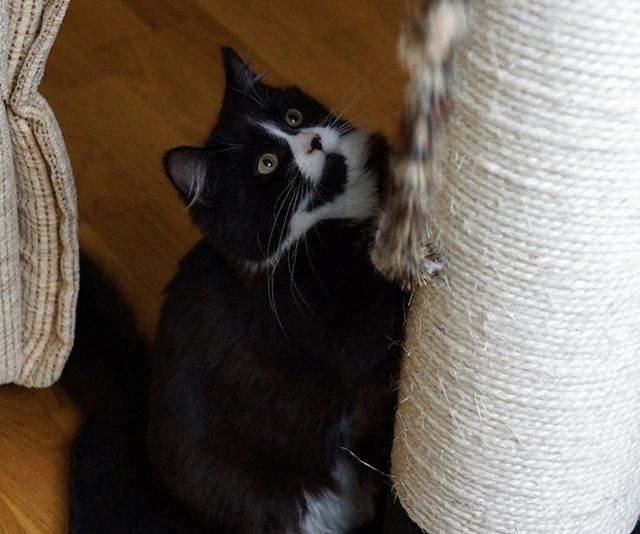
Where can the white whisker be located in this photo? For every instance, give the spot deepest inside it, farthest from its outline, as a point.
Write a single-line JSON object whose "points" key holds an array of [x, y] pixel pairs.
{"points": [[259, 102]]}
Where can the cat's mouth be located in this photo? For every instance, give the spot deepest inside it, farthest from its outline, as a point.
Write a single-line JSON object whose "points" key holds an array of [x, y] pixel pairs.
{"points": [[357, 157]]}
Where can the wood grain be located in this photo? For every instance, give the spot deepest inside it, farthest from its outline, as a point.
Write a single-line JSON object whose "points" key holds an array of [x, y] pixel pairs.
{"points": [[129, 79]]}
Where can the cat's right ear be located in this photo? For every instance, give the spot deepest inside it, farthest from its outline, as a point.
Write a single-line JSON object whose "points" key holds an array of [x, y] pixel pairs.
{"points": [[238, 73], [187, 167]]}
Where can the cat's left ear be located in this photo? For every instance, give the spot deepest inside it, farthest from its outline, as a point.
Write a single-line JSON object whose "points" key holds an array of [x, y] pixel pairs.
{"points": [[238, 73], [187, 169]]}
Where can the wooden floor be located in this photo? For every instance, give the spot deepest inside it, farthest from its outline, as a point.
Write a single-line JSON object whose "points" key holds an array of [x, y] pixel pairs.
{"points": [[129, 79]]}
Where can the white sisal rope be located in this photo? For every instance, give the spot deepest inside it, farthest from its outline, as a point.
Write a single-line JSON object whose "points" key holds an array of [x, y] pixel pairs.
{"points": [[520, 391]]}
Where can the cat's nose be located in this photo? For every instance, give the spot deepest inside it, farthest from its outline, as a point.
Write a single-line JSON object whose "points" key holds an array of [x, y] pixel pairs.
{"points": [[316, 143], [310, 142]]}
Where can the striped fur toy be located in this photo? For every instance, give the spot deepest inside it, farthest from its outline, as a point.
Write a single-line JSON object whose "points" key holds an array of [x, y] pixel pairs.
{"points": [[426, 47]]}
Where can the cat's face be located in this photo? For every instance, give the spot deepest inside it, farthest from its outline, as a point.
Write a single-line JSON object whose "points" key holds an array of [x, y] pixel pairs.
{"points": [[276, 164]]}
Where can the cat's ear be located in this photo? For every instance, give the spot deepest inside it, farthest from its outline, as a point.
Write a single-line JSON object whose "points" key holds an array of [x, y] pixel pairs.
{"points": [[187, 169], [238, 73]]}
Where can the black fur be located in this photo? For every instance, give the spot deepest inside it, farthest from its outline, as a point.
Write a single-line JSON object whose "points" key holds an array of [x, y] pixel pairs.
{"points": [[334, 182], [262, 378], [108, 369]]}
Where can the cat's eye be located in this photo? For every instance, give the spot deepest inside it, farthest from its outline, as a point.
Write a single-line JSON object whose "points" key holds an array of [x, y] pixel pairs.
{"points": [[267, 163], [293, 118]]}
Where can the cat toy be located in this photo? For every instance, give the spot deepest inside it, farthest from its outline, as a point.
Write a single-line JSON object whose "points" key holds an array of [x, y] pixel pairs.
{"points": [[426, 47]]}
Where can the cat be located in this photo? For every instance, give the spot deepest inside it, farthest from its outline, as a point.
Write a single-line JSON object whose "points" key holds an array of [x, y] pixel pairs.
{"points": [[270, 400]]}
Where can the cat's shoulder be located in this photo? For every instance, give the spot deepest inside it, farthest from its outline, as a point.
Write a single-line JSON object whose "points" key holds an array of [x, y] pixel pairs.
{"points": [[201, 274], [201, 265]]}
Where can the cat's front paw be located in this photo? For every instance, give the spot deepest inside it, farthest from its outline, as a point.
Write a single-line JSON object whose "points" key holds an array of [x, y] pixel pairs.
{"points": [[432, 262], [430, 266]]}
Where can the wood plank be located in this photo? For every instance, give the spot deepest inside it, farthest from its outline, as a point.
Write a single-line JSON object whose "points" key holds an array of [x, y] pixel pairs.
{"points": [[36, 428]]}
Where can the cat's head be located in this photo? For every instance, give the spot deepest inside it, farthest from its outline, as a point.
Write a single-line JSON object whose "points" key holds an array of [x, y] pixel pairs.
{"points": [[276, 164]]}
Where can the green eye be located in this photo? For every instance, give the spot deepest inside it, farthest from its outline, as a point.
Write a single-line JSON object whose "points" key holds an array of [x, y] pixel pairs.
{"points": [[293, 118], [267, 163]]}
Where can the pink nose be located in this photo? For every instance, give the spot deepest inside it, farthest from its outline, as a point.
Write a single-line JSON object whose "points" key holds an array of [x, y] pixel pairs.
{"points": [[310, 142], [316, 143]]}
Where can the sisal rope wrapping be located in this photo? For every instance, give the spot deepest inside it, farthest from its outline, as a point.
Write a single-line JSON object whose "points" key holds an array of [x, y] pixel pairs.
{"points": [[519, 398]]}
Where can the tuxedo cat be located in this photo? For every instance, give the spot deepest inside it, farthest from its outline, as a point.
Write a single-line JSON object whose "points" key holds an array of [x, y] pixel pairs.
{"points": [[270, 388]]}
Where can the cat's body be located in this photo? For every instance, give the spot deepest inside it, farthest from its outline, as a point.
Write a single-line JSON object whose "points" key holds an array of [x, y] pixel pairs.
{"points": [[249, 428], [271, 385]]}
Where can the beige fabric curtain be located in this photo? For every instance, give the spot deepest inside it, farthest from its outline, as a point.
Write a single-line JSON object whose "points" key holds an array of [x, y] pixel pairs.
{"points": [[38, 215]]}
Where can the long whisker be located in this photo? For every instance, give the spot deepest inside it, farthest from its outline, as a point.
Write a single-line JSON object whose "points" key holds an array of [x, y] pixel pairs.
{"points": [[272, 300], [360, 81], [261, 98], [339, 114], [288, 190], [358, 97], [293, 281], [271, 277], [229, 149], [261, 104], [292, 206], [313, 269], [220, 141]]}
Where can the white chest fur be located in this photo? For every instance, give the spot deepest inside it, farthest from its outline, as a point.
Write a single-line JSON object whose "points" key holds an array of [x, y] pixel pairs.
{"points": [[339, 511]]}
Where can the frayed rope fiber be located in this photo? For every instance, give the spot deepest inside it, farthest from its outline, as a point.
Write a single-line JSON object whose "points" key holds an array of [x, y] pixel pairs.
{"points": [[519, 400]]}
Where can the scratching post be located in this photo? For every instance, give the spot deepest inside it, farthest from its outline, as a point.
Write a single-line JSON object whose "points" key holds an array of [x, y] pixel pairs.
{"points": [[519, 403]]}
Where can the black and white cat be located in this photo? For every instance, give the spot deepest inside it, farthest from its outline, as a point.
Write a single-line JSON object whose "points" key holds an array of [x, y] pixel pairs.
{"points": [[270, 387], [275, 344]]}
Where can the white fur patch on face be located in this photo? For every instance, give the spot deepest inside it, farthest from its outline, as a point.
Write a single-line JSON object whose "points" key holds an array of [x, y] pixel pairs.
{"points": [[358, 201], [340, 511], [308, 159]]}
